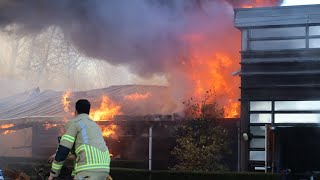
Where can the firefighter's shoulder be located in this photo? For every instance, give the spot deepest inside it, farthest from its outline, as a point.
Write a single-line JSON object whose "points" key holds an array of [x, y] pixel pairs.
{"points": [[72, 122]]}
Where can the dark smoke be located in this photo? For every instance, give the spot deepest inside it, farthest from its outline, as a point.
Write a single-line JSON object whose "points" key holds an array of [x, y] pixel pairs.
{"points": [[146, 35]]}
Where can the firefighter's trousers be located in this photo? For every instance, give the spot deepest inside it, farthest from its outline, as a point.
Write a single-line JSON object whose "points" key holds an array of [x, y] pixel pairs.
{"points": [[84, 175]]}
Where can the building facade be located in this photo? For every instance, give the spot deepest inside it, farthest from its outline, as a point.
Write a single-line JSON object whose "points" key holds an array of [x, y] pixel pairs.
{"points": [[280, 88]]}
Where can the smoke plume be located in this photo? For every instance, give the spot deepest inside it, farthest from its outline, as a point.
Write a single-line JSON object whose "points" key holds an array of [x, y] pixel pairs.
{"points": [[147, 35], [191, 42]]}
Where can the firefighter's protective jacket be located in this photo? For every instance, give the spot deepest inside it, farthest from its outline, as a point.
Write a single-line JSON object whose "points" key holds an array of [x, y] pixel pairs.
{"points": [[90, 148]]}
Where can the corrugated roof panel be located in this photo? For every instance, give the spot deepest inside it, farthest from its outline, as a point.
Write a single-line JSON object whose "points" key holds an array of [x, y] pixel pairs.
{"points": [[49, 103]]}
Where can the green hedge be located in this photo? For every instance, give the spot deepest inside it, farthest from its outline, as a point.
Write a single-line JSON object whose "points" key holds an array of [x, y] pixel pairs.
{"points": [[129, 164], [124, 174], [139, 164], [119, 174]]}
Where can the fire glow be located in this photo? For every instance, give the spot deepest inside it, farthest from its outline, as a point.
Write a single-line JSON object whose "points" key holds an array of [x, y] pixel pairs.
{"points": [[137, 96], [212, 72], [5, 127], [214, 56], [66, 101], [8, 132], [258, 3], [48, 126], [109, 131], [107, 110]]}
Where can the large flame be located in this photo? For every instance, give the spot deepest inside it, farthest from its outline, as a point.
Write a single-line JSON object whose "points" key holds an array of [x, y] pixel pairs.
{"points": [[107, 110], [213, 72], [214, 56], [66, 101], [137, 96]]}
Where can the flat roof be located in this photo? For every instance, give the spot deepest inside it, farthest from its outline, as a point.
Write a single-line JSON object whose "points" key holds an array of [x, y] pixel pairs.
{"points": [[277, 15]]}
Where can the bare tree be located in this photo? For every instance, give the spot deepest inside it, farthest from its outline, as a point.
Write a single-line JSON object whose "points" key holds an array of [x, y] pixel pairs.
{"points": [[49, 58], [45, 59], [18, 42]]}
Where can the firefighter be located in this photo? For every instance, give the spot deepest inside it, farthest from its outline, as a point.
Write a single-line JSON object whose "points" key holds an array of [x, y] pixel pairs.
{"points": [[92, 155]]}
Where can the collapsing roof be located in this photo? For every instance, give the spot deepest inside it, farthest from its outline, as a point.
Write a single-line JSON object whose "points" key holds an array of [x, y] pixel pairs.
{"points": [[36, 103]]}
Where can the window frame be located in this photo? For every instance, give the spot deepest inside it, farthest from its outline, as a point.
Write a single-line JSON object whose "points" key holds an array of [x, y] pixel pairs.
{"points": [[308, 37]]}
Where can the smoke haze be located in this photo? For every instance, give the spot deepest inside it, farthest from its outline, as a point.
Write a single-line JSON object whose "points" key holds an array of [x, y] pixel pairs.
{"points": [[146, 34], [179, 39]]}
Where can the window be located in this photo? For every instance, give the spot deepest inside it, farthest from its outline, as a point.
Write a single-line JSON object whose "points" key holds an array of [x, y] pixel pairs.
{"points": [[244, 40], [260, 106], [297, 105], [314, 30], [258, 130], [278, 44], [297, 118], [314, 43], [278, 32], [260, 118], [257, 155], [257, 143]]}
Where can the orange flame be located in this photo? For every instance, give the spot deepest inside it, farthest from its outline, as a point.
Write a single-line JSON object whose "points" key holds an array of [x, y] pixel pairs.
{"points": [[213, 57], [211, 72], [66, 101], [247, 6], [232, 110], [7, 126], [8, 132], [109, 131], [255, 3], [137, 96], [107, 110]]}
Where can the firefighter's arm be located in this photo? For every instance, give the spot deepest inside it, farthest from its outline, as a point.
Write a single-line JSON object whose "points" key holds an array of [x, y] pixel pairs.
{"points": [[66, 143]]}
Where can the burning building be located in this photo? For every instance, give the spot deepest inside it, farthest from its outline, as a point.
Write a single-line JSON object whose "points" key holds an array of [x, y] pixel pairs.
{"points": [[32, 121], [128, 116], [195, 49], [280, 100]]}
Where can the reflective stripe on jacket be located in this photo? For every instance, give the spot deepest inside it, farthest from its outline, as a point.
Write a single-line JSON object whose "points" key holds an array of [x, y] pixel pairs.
{"points": [[90, 148]]}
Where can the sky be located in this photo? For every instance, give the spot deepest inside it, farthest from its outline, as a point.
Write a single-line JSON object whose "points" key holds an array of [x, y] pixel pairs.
{"points": [[299, 2]]}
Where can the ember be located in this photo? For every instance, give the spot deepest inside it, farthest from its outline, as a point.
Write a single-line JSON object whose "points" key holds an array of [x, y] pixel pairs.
{"points": [[137, 96], [48, 126], [107, 110]]}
